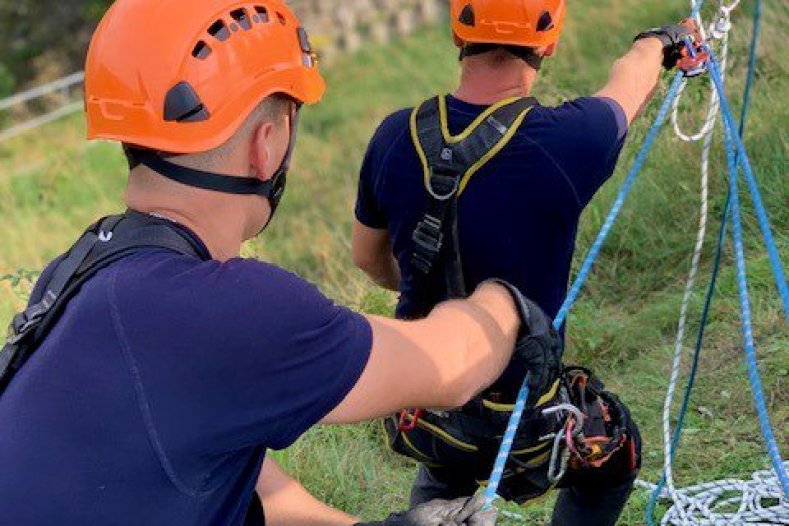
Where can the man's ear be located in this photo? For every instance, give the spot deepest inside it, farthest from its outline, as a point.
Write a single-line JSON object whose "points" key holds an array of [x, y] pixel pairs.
{"points": [[260, 151], [550, 50]]}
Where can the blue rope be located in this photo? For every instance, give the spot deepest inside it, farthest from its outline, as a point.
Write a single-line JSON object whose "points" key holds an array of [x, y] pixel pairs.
{"points": [[594, 253], [744, 161], [572, 297], [506, 444], [742, 285]]}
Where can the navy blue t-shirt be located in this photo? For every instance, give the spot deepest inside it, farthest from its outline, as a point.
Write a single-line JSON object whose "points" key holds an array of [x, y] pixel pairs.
{"points": [[157, 394], [518, 216]]}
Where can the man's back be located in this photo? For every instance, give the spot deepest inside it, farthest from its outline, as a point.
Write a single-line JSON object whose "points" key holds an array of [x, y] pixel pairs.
{"points": [[156, 395], [518, 217]]}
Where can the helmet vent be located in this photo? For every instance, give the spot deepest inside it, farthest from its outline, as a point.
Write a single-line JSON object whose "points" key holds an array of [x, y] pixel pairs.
{"points": [[219, 31], [201, 50], [546, 22], [304, 40], [261, 14], [467, 16], [241, 16], [281, 18]]}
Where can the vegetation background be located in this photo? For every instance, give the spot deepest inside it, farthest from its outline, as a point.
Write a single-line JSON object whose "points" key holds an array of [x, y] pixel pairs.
{"points": [[53, 184]]}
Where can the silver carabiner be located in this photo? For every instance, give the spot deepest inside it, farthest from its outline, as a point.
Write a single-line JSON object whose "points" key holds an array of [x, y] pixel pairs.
{"points": [[557, 467], [568, 408]]}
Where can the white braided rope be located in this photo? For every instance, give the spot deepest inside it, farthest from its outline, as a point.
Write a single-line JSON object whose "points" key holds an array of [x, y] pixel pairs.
{"points": [[729, 502], [719, 30]]}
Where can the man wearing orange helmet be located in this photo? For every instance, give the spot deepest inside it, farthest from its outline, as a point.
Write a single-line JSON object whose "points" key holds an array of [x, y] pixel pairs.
{"points": [[153, 368], [486, 182]]}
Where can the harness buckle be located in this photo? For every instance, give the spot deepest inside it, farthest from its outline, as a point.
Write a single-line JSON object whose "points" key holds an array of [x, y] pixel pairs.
{"points": [[428, 240], [25, 322]]}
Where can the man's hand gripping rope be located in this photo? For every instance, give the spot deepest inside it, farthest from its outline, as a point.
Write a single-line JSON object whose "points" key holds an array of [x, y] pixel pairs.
{"points": [[682, 47]]}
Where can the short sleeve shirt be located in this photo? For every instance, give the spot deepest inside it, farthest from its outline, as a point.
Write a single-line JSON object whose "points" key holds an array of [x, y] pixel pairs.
{"points": [[518, 216], [159, 391]]}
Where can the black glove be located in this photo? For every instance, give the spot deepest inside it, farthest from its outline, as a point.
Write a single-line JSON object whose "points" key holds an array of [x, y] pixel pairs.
{"points": [[674, 39], [460, 512], [538, 349]]}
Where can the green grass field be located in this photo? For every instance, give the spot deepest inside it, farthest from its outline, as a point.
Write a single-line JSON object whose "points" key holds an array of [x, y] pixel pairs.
{"points": [[52, 185]]}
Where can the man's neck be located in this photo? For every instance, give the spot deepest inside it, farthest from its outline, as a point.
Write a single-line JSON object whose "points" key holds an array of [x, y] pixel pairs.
{"points": [[221, 243], [218, 220], [485, 84]]}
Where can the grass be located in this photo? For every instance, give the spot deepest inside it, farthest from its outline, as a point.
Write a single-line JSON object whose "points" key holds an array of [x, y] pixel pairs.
{"points": [[52, 186]]}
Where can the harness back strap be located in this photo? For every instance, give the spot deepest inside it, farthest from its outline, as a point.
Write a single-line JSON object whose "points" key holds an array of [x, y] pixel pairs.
{"points": [[102, 244], [449, 162]]}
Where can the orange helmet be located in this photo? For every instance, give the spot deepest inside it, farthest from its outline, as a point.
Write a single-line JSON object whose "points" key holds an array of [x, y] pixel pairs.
{"points": [[181, 77], [521, 23]]}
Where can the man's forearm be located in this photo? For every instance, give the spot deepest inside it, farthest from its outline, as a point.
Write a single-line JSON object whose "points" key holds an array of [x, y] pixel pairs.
{"points": [[489, 325], [635, 76], [441, 361], [287, 503]]}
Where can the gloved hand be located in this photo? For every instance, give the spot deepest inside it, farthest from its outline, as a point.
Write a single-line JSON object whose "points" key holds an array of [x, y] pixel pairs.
{"points": [[460, 512], [538, 348], [674, 38]]}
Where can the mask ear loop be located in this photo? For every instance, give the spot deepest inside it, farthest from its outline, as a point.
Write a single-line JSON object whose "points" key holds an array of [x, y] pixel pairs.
{"points": [[279, 180]]}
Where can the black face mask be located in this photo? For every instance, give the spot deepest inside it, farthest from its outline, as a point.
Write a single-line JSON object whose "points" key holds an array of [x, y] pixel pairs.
{"points": [[273, 189]]}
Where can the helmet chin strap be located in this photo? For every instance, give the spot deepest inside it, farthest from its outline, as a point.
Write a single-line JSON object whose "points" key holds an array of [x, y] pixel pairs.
{"points": [[272, 189]]}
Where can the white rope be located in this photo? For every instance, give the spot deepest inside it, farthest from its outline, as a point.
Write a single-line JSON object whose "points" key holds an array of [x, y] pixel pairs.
{"points": [[729, 502]]}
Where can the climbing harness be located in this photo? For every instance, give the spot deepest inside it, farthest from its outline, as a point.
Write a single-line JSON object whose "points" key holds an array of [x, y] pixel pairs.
{"points": [[574, 424], [704, 504], [104, 243], [575, 427]]}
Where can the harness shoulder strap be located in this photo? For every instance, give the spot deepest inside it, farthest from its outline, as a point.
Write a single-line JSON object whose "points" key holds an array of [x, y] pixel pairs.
{"points": [[102, 244]]}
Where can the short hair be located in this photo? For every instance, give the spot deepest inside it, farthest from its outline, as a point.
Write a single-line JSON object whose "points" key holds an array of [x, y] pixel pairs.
{"points": [[270, 109], [499, 56]]}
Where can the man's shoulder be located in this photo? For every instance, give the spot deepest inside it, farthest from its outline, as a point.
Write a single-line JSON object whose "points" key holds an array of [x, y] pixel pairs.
{"points": [[584, 115], [184, 282], [393, 127]]}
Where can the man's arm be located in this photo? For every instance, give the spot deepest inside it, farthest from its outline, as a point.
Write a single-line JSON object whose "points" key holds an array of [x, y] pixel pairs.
{"points": [[371, 250], [440, 362], [287, 503], [635, 76]]}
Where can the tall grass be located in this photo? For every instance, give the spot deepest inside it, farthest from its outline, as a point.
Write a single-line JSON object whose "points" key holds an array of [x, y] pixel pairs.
{"points": [[52, 186]]}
